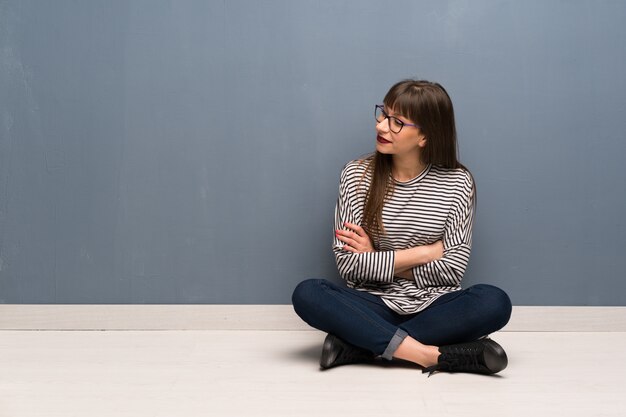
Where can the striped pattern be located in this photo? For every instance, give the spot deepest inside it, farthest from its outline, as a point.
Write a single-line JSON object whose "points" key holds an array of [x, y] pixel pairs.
{"points": [[437, 204]]}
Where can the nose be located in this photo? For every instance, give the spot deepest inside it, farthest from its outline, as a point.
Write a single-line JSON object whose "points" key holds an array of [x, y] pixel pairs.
{"points": [[383, 126]]}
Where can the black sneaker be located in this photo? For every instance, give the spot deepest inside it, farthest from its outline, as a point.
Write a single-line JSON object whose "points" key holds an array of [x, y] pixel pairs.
{"points": [[483, 356], [338, 352]]}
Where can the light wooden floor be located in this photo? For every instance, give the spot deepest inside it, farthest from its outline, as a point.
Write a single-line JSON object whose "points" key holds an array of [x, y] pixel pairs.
{"points": [[275, 373]]}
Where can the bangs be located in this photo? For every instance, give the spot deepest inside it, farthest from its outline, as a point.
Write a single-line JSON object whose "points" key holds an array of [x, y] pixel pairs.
{"points": [[403, 101]]}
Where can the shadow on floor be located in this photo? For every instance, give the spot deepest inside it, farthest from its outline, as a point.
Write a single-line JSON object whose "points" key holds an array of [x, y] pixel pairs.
{"points": [[312, 354]]}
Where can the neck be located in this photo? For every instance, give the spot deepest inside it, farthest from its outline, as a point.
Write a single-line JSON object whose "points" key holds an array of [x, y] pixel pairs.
{"points": [[406, 167]]}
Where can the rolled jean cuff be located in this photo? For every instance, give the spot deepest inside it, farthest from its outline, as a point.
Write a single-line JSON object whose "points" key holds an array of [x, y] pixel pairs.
{"points": [[395, 341]]}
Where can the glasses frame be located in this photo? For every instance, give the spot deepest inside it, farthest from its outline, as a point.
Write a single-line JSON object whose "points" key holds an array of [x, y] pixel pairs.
{"points": [[386, 116]]}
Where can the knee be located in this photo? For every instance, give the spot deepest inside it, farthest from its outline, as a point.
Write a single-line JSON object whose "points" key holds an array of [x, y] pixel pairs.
{"points": [[304, 294], [497, 302]]}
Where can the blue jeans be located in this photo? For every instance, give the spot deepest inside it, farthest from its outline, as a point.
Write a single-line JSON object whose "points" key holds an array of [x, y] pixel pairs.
{"points": [[364, 320]]}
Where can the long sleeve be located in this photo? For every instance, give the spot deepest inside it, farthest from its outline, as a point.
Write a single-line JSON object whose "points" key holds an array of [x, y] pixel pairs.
{"points": [[357, 267], [457, 243]]}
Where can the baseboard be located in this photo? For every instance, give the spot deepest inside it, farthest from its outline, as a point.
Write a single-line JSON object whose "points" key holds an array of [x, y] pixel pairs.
{"points": [[265, 317]]}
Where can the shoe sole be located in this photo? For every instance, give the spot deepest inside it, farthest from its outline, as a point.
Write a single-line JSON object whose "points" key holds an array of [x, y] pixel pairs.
{"points": [[327, 358], [494, 356]]}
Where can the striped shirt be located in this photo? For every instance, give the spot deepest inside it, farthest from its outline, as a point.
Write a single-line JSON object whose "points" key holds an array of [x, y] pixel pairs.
{"points": [[438, 204]]}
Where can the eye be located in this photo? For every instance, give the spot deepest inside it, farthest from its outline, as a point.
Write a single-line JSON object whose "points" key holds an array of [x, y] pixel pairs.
{"points": [[396, 122]]}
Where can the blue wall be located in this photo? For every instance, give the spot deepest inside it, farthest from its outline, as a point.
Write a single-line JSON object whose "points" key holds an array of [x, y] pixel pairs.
{"points": [[189, 151]]}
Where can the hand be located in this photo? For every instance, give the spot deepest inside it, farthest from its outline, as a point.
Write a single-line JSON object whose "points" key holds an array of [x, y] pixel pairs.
{"points": [[408, 274], [355, 239]]}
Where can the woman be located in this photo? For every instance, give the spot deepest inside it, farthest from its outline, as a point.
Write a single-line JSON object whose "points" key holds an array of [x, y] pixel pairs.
{"points": [[403, 229]]}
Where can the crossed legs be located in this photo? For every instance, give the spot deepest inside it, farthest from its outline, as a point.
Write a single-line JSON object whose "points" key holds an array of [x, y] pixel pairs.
{"points": [[363, 320]]}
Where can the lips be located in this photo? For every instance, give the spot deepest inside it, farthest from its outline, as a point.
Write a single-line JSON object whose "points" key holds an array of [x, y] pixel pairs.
{"points": [[379, 139]]}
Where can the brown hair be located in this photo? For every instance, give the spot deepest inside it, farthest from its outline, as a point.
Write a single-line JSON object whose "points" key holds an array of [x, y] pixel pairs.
{"points": [[429, 105]]}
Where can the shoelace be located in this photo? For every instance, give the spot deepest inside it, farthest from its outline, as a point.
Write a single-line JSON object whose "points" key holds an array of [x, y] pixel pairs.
{"points": [[352, 354], [457, 359]]}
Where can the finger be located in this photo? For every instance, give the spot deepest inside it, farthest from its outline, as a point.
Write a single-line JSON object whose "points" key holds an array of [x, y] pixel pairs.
{"points": [[349, 248], [348, 234], [348, 240], [357, 229]]}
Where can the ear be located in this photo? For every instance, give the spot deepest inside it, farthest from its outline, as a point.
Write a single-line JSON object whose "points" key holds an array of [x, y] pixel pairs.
{"points": [[421, 141]]}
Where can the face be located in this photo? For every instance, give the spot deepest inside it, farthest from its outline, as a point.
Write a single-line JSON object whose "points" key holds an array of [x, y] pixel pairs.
{"points": [[409, 140]]}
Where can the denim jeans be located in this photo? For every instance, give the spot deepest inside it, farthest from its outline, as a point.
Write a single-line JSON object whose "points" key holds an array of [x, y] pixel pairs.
{"points": [[364, 320]]}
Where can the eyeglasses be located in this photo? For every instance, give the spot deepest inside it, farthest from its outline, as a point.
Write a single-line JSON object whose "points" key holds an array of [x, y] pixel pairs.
{"points": [[395, 124]]}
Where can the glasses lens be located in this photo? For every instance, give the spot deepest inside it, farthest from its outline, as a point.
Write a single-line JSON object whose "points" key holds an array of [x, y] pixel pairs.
{"points": [[378, 113], [395, 125]]}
